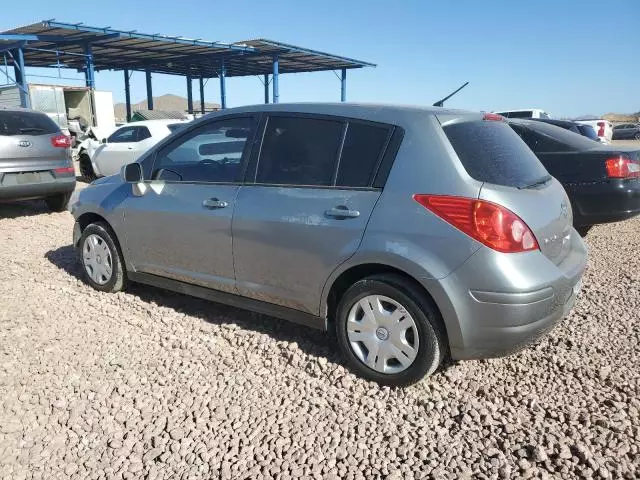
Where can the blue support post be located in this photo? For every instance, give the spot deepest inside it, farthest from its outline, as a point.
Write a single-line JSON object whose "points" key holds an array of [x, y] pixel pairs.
{"points": [[149, 91], [21, 78], [223, 92], [266, 88], [343, 85], [276, 67], [202, 95], [189, 95], [89, 73], [127, 94]]}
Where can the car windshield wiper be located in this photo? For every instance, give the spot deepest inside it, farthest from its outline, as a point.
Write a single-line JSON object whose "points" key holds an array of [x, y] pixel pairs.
{"points": [[537, 183]]}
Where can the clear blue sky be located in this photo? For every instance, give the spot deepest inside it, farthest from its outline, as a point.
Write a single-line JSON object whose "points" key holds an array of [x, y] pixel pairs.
{"points": [[567, 57]]}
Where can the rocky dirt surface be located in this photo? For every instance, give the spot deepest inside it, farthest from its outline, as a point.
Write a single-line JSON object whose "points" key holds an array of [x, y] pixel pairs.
{"points": [[150, 384]]}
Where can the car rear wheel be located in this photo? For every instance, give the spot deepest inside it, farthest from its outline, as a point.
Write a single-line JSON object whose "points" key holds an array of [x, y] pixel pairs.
{"points": [[101, 258], [389, 331], [58, 203], [86, 169]]}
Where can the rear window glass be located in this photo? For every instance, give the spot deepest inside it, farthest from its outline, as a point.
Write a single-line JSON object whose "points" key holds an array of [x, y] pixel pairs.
{"points": [[26, 123], [588, 132], [520, 114], [558, 139], [491, 152]]}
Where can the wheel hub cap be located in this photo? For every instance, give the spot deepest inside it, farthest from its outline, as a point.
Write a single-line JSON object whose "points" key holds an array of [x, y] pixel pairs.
{"points": [[96, 258], [382, 334]]}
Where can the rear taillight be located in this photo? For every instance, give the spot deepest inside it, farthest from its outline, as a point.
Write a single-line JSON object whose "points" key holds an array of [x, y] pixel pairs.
{"points": [[493, 117], [601, 126], [489, 223], [622, 167], [64, 170], [61, 141]]}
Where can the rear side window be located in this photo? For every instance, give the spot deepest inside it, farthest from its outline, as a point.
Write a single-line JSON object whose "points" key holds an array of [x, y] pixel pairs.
{"points": [[299, 151], [491, 152], [26, 123], [361, 153]]}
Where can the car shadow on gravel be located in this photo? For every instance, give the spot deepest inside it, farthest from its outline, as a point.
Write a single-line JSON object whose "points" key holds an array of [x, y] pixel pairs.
{"points": [[313, 342], [23, 209]]}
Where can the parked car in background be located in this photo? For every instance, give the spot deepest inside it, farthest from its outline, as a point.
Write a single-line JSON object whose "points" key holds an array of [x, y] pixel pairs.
{"points": [[603, 129], [35, 159], [524, 113], [626, 131], [580, 129], [106, 157], [602, 181], [400, 228]]}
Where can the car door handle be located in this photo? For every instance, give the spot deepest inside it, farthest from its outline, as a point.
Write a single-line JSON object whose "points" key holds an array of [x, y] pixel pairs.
{"points": [[214, 203], [341, 212]]}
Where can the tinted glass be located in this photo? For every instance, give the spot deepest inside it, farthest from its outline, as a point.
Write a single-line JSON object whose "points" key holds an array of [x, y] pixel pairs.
{"points": [[123, 135], [26, 123], [555, 139], [587, 131], [491, 152], [143, 133], [362, 150], [210, 153], [299, 151]]}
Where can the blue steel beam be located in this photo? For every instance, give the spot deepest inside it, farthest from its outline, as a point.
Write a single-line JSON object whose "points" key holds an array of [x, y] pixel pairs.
{"points": [[276, 67], [202, 95], [189, 94], [343, 85], [293, 48], [223, 90], [89, 73], [21, 78], [21, 37], [149, 91], [127, 94], [266, 88]]}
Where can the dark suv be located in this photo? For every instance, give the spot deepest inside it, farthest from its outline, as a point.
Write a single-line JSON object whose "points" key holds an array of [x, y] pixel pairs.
{"points": [[35, 159]]}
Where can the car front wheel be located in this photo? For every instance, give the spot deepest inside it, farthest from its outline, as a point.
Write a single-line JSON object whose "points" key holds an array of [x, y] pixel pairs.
{"points": [[389, 331], [101, 260]]}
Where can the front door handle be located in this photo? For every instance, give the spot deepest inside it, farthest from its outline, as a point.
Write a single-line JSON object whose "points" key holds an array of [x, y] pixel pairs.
{"points": [[213, 203], [341, 212]]}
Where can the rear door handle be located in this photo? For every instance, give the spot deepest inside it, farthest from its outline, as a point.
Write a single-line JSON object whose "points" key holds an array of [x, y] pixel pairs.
{"points": [[213, 203], [341, 212]]}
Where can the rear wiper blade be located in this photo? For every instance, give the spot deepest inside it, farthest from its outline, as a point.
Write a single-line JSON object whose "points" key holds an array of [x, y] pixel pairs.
{"points": [[537, 183]]}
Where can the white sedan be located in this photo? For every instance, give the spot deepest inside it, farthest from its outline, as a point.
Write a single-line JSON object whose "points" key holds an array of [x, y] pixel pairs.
{"points": [[106, 157]]}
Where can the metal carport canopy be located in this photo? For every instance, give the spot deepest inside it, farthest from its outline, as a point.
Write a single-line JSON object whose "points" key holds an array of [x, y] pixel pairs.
{"points": [[50, 43]]}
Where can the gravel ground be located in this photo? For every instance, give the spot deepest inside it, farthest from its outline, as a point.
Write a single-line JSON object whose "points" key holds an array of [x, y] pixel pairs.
{"points": [[150, 384]]}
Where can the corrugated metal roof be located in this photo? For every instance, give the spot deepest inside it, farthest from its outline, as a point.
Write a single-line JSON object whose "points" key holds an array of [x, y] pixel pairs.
{"points": [[118, 50], [139, 115]]}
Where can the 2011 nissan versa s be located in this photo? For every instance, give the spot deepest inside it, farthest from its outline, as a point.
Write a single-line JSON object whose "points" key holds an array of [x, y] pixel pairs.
{"points": [[414, 233]]}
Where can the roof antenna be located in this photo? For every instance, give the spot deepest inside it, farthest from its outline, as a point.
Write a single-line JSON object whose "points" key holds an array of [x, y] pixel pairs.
{"points": [[440, 103]]}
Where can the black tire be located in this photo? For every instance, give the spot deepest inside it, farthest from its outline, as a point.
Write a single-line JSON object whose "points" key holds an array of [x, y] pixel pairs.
{"points": [[118, 279], [432, 343], [583, 230], [59, 202], [86, 169]]}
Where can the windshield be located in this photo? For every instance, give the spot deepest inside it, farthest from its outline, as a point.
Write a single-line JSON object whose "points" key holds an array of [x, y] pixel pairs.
{"points": [[26, 123], [491, 152]]}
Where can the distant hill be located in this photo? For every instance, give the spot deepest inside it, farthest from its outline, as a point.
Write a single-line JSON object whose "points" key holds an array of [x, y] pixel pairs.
{"points": [[168, 102]]}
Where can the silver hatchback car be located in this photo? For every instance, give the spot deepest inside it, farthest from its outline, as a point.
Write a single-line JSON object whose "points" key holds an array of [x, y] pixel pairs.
{"points": [[412, 233], [35, 159]]}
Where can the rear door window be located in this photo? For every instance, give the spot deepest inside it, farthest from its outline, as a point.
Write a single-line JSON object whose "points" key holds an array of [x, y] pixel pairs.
{"points": [[492, 152], [26, 123], [362, 151], [299, 151]]}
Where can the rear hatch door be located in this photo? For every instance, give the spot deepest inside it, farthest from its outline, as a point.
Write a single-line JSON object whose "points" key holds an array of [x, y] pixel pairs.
{"points": [[513, 177]]}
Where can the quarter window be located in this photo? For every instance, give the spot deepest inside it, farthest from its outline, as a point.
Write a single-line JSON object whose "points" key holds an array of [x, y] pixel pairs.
{"points": [[143, 134], [123, 135], [210, 153], [363, 147], [299, 151]]}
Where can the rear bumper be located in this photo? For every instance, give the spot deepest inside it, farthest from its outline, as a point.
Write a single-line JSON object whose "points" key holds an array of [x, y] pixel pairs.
{"points": [[605, 202], [51, 186], [496, 304]]}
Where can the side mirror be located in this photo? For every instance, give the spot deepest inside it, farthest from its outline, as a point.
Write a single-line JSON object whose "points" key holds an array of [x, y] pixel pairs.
{"points": [[131, 173], [104, 140]]}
